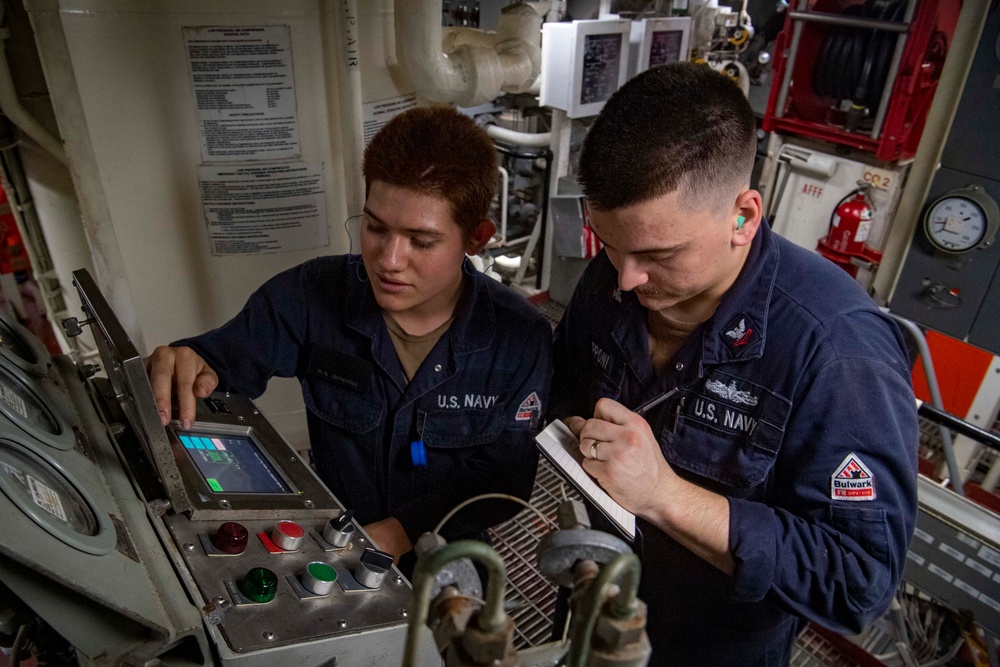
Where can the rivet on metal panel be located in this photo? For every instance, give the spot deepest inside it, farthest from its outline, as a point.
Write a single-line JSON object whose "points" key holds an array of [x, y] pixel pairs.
{"points": [[404, 613], [341, 623], [310, 504], [268, 635], [397, 579], [189, 546]]}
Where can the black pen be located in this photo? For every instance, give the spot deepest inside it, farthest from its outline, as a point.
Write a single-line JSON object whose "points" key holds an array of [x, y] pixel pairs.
{"points": [[653, 402]]}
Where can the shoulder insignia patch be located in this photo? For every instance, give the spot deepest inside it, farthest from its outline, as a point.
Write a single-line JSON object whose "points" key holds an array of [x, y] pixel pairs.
{"points": [[852, 480], [530, 410]]}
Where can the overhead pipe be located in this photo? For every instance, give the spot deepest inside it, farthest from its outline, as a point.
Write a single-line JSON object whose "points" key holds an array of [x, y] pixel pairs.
{"points": [[528, 139], [474, 66], [11, 107]]}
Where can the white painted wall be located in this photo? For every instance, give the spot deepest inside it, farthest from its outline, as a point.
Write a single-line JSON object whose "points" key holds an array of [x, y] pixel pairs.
{"points": [[120, 83]]}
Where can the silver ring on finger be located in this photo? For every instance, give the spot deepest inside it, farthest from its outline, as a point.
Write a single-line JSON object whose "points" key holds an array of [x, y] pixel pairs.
{"points": [[593, 451]]}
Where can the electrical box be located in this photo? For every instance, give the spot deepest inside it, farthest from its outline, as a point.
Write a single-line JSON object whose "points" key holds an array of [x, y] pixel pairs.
{"points": [[658, 41], [950, 280], [583, 63]]}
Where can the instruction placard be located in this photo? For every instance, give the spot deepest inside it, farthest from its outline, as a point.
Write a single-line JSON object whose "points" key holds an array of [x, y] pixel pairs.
{"points": [[255, 209], [378, 114], [244, 92]]}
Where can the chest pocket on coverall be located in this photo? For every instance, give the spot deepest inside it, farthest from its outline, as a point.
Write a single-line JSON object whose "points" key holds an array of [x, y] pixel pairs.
{"points": [[344, 408], [728, 430], [450, 429]]}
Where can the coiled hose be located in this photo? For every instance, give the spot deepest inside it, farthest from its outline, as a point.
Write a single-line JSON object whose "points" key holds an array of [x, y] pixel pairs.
{"points": [[853, 63]]}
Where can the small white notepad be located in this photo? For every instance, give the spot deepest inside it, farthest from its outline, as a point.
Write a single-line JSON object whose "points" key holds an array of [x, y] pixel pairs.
{"points": [[561, 447]]}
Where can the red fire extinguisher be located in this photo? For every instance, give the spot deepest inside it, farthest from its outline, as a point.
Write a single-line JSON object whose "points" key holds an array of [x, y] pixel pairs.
{"points": [[850, 226]]}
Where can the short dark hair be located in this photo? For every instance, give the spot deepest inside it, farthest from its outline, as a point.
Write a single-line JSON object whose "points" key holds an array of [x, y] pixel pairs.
{"points": [[680, 127], [440, 152]]}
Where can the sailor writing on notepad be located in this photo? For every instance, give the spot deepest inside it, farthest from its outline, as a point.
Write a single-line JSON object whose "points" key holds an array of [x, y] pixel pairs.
{"points": [[778, 484]]}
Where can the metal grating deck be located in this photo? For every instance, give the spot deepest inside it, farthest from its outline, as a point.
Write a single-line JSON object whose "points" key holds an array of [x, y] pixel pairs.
{"points": [[533, 595]]}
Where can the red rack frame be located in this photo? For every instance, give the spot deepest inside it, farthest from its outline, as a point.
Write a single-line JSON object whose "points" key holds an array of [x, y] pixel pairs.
{"points": [[809, 115]]}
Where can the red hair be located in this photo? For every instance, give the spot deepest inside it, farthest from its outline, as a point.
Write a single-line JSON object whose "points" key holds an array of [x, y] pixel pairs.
{"points": [[437, 151]]}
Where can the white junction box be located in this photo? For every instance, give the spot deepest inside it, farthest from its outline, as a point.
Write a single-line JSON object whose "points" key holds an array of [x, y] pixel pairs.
{"points": [[659, 41], [583, 63]]}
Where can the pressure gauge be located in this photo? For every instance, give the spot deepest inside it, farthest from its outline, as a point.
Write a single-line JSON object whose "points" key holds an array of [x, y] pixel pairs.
{"points": [[51, 497], [962, 220]]}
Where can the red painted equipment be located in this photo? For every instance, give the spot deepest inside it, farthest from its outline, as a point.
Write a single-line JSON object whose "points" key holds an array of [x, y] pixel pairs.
{"points": [[849, 228], [864, 99]]}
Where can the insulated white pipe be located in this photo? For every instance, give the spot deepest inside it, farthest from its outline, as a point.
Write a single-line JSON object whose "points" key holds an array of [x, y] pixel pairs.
{"points": [[347, 66], [530, 139], [18, 115], [480, 67], [504, 193]]}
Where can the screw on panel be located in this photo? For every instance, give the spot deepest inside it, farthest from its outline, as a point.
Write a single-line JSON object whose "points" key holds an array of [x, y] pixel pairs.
{"points": [[219, 599], [225, 504], [189, 546], [240, 418], [310, 504], [397, 579], [268, 635], [341, 623], [404, 613]]}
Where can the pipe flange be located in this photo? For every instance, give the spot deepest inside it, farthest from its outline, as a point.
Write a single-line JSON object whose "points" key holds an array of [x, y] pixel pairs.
{"points": [[559, 551]]}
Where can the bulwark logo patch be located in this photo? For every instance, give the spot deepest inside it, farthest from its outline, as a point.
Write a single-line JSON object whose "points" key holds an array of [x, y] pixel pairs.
{"points": [[530, 410], [852, 480]]}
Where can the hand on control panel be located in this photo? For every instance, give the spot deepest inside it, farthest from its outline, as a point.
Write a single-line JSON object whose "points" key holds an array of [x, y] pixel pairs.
{"points": [[389, 535], [182, 371]]}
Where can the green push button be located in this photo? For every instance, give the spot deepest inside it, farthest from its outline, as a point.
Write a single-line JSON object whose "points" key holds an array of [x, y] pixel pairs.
{"points": [[259, 585], [319, 578]]}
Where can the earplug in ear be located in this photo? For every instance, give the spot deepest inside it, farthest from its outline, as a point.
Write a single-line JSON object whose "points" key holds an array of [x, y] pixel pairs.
{"points": [[739, 221]]}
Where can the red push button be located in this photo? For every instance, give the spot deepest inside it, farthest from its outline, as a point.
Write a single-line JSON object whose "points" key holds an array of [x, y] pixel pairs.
{"points": [[287, 535], [231, 538]]}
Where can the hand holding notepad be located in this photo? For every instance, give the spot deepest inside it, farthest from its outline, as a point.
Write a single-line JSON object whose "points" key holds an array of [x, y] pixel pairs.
{"points": [[562, 448]]}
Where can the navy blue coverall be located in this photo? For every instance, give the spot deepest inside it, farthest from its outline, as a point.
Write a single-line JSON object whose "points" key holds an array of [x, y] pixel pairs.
{"points": [[795, 403], [475, 402]]}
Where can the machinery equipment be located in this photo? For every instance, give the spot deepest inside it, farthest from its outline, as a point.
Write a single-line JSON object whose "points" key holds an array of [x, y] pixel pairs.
{"points": [[608, 628], [143, 545]]}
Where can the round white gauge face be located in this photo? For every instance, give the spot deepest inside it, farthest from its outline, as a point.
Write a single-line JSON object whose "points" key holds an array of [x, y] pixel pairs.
{"points": [[956, 224]]}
